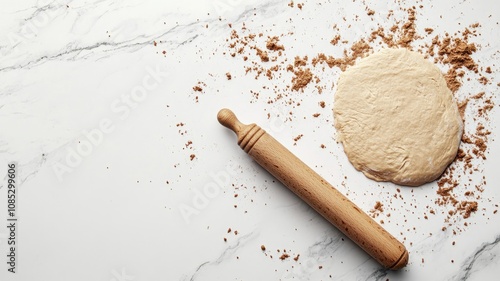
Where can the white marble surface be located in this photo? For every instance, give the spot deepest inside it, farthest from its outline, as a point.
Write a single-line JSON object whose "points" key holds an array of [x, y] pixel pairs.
{"points": [[112, 209]]}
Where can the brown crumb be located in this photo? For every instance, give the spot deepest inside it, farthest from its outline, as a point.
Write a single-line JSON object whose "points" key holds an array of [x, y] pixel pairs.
{"points": [[468, 207], [297, 138], [335, 40], [300, 61], [377, 209], [262, 54], [408, 31], [228, 75], [197, 88], [272, 44], [192, 156], [284, 256], [358, 50], [301, 79], [451, 78], [262, 247]]}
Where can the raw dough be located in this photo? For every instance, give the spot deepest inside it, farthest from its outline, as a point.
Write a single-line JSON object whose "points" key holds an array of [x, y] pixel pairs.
{"points": [[396, 118]]}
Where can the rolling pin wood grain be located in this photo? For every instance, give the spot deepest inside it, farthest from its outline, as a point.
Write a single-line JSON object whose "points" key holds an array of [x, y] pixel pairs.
{"points": [[317, 192]]}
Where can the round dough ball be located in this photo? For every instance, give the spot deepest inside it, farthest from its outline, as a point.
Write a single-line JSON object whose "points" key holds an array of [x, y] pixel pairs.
{"points": [[396, 118]]}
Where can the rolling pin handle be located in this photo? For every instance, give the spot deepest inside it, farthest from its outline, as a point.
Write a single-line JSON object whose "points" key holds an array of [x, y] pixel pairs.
{"points": [[229, 120]]}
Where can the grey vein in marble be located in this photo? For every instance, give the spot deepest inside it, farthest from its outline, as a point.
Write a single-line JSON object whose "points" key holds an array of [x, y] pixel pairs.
{"points": [[179, 29], [121, 45], [227, 252], [377, 275], [471, 262]]}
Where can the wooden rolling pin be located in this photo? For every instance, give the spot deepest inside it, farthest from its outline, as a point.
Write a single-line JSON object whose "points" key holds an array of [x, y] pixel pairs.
{"points": [[317, 192]]}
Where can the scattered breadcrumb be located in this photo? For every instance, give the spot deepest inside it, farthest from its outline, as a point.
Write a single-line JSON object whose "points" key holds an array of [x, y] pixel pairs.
{"points": [[301, 79], [272, 44], [297, 138], [284, 256]]}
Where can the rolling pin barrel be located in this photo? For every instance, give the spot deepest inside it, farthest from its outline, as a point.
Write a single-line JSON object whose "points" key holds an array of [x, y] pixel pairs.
{"points": [[317, 192]]}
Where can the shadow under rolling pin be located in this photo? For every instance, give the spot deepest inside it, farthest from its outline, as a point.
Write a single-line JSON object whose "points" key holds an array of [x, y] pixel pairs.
{"points": [[317, 192]]}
